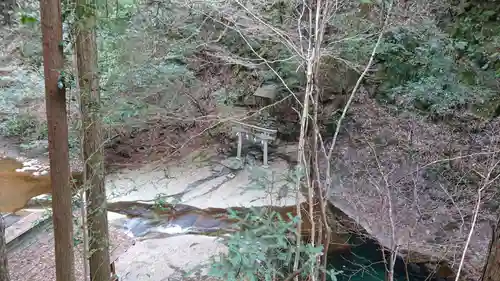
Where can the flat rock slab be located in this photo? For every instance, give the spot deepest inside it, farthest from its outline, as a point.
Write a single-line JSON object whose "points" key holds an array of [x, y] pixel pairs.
{"points": [[198, 185], [168, 258], [21, 223]]}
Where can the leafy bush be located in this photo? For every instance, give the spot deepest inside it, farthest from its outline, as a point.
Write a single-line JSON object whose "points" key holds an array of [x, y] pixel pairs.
{"points": [[265, 246], [24, 126], [418, 69], [263, 249], [476, 25]]}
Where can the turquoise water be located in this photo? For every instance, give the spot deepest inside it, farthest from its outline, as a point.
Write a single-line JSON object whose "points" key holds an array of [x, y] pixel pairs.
{"points": [[366, 263]]}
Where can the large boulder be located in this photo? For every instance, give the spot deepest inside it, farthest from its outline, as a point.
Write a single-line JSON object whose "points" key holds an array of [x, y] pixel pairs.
{"points": [[392, 177]]}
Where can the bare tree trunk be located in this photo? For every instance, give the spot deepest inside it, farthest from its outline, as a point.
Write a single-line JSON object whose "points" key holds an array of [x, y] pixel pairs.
{"points": [[57, 119], [4, 267], [92, 141], [492, 268]]}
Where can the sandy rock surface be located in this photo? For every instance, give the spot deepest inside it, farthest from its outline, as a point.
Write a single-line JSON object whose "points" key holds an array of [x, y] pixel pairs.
{"points": [[202, 185]]}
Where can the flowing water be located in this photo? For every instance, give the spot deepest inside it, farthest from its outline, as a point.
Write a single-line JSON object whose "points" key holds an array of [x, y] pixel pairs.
{"points": [[365, 262]]}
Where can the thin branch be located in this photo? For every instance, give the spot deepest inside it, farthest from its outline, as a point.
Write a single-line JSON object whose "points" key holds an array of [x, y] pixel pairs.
{"points": [[486, 183], [361, 77]]}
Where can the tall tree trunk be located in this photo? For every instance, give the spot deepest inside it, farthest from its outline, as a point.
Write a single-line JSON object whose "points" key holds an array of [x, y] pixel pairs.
{"points": [[492, 269], [57, 120], [90, 105], [4, 267]]}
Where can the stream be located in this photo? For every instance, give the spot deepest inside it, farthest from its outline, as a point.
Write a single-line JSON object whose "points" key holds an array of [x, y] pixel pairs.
{"points": [[364, 262]]}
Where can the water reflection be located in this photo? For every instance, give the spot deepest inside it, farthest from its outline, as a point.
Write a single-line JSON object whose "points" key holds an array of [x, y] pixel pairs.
{"points": [[366, 262]]}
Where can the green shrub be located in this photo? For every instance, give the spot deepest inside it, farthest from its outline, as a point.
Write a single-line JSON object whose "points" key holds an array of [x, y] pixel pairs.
{"points": [[24, 126], [263, 249], [418, 69], [476, 25]]}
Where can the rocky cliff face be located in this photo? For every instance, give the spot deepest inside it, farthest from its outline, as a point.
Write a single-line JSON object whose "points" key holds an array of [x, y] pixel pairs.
{"points": [[412, 183]]}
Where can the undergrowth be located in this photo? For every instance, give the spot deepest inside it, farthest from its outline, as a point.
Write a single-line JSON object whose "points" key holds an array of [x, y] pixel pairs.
{"points": [[263, 250], [24, 126], [419, 70]]}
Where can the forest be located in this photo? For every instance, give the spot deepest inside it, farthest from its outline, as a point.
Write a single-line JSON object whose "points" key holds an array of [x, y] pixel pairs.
{"points": [[386, 112]]}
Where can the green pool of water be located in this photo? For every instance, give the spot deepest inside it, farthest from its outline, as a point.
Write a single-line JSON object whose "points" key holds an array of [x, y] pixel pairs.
{"points": [[366, 263]]}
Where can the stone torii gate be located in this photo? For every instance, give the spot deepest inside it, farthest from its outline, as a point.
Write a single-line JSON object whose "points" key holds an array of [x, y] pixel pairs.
{"points": [[254, 133]]}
